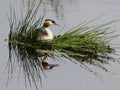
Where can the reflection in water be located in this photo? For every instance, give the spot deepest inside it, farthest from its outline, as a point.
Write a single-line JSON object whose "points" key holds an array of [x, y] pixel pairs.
{"points": [[32, 63], [57, 6], [48, 66], [27, 59]]}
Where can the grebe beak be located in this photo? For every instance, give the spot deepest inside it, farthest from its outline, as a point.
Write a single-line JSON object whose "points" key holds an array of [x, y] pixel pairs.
{"points": [[56, 24]]}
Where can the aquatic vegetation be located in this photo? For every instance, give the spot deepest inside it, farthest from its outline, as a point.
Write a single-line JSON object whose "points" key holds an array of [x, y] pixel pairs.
{"points": [[83, 43]]}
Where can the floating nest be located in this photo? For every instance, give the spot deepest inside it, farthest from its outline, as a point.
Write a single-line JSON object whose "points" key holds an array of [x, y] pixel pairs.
{"points": [[82, 43]]}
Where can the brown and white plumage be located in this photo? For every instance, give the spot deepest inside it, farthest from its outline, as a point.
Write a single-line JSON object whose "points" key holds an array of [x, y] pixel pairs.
{"points": [[46, 33]]}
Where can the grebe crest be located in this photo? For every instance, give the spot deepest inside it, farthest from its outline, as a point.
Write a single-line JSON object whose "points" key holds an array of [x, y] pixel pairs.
{"points": [[49, 22]]}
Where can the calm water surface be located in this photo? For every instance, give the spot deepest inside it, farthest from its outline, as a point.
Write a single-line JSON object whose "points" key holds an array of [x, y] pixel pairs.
{"points": [[68, 76]]}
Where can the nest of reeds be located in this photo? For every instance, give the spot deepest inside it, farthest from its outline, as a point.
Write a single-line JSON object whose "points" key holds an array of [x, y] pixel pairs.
{"points": [[83, 43]]}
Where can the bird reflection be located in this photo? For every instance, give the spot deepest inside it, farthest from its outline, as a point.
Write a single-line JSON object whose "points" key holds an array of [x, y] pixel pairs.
{"points": [[47, 66], [31, 62], [45, 59]]}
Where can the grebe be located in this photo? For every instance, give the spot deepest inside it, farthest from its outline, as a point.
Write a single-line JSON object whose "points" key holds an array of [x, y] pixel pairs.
{"points": [[46, 33]]}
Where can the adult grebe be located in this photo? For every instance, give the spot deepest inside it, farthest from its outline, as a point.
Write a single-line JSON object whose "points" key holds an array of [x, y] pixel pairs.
{"points": [[46, 33]]}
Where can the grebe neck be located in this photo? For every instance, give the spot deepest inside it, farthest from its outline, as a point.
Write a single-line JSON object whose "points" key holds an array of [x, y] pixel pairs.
{"points": [[49, 33]]}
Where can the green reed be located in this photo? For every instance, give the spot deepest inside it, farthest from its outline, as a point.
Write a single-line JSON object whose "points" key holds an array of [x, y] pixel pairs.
{"points": [[82, 43]]}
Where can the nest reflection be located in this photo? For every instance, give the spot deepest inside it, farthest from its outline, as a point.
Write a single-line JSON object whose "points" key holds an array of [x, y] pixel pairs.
{"points": [[31, 62]]}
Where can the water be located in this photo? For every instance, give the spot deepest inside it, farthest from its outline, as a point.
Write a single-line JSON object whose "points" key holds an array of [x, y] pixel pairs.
{"points": [[68, 76]]}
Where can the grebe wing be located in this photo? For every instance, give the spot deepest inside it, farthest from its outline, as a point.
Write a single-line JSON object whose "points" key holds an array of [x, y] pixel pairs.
{"points": [[41, 31]]}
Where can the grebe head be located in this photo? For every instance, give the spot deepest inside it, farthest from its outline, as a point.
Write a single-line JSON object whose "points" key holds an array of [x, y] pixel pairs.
{"points": [[49, 22]]}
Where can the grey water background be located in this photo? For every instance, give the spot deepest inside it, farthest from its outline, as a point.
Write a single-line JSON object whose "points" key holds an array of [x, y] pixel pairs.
{"points": [[68, 76]]}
